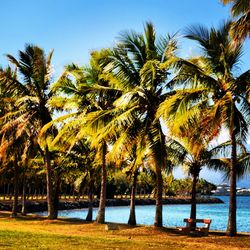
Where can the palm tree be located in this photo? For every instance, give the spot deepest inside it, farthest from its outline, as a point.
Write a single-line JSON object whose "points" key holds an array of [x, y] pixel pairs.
{"points": [[14, 139], [129, 154], [213, 92], [240, 11], [15, 150], [135, 68], [88, 93], [31, 92], [80, 162], [222, 162], [193, 157], [10, 159]]}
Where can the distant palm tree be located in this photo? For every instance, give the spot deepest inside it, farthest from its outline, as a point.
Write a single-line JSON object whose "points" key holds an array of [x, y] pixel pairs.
{"points": [[223, 151], [31, 92], [128, 153], [78, 161], [240, 11], [15, 140], [11, 150], [193, 155], [212, 91]]}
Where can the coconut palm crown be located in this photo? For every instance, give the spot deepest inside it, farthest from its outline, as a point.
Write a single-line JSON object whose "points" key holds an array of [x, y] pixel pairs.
{"points": [[240, 11]]}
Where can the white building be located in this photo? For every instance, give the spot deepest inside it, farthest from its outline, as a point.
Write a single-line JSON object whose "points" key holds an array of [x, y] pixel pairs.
{"points": [[224, 189]]}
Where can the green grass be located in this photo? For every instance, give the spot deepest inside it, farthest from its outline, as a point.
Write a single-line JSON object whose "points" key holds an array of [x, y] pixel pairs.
{"points": [[28, 240], [64, 234]]}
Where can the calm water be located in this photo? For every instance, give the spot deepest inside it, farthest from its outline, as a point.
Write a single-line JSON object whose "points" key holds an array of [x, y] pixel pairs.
{"points": [[173, 215]]}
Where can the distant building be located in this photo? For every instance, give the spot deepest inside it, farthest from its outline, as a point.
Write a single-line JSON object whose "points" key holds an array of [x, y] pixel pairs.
{"points": [[224, 189], [243, 191]]}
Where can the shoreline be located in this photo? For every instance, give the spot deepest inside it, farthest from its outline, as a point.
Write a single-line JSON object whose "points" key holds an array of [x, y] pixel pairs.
{"points": [[120, 225], [41, 206]]}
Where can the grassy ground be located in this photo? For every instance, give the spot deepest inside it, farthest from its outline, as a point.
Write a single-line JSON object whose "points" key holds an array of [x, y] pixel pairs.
{"points": [[39, 233]]}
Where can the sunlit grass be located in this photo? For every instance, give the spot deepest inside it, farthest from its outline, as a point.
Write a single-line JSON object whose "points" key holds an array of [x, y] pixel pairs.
{"points": [[39, 233]]}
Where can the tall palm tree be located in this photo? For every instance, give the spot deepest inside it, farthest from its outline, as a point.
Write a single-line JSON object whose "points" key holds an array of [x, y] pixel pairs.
{"points": [[240, 11], [88, 93], [31, 92], [213, 91], [136, 69]]}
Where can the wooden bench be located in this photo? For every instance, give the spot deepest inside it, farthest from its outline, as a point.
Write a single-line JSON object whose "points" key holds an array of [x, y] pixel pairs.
{"points": [[111, 226], [201, 230]]}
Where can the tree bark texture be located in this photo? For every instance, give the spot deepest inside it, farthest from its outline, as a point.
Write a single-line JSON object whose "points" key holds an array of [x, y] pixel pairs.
{"points": [[56, 195], [160, 157], [101, 211], [50, 201], [15, 201], [159, 188], [193, 200], [23, 212], [89, 216], [132, 217], [231, 226]]}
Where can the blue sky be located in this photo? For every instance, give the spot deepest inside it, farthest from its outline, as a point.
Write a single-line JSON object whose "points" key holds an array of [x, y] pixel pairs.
{"points": [[75, 27]]}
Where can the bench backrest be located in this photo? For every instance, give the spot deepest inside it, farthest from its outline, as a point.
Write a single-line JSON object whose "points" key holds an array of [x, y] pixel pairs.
{"points": [[205, 221]]}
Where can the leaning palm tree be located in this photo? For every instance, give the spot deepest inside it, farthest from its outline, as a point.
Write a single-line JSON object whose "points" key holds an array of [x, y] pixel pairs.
{"points": [[31, 92], [240, 11], [135, 68], [212, 90]]}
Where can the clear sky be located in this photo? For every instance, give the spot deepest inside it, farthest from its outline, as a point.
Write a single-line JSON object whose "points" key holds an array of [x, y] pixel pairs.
{"points": [[75, 27]]}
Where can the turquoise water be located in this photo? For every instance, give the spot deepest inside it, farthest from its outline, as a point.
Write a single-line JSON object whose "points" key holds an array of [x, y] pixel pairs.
{"points": [[173, 215]]}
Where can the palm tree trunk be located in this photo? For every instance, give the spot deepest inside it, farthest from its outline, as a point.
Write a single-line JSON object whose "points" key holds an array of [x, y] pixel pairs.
{"points": [[158, 157], [159, 188], [4, 191], [15, 201], [24, 195], [132, 217], [91, 187], [193, 200], [56, 195], [51, 212], [8, 190], [101, 211], [231, 226]]}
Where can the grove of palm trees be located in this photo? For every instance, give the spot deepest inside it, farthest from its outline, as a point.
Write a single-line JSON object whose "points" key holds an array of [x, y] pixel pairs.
{"points": [[136, 112]]}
